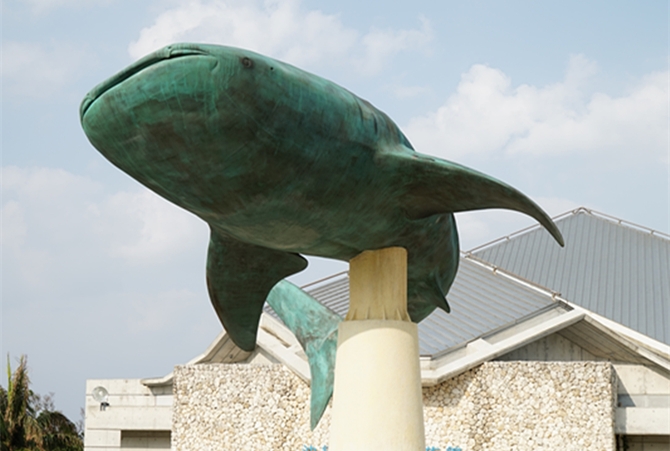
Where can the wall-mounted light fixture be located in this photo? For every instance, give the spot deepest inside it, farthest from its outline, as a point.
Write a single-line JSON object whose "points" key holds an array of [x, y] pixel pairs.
{"points": [[101, 394]]}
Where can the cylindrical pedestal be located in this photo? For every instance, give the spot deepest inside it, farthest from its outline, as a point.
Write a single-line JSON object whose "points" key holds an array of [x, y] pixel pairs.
{"points": [[377, 401]]}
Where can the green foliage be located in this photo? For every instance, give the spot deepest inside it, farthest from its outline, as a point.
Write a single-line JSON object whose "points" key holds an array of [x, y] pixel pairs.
{"points": [[58, 432], [30, 422]]}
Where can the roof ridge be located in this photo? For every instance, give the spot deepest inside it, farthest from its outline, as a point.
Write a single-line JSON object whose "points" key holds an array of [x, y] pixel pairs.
{"points": [[629, 224], [573, 212], [497, 270]]}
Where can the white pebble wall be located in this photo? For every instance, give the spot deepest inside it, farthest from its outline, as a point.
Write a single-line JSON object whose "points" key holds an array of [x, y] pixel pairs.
{"points": [[496, 406]]}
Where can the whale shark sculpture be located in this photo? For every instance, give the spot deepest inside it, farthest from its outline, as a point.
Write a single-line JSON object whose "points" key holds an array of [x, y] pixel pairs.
{"points": [[280, 162]]}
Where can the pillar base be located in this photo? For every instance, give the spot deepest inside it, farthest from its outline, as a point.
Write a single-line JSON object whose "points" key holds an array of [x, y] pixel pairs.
{"points": [[377, 400]]}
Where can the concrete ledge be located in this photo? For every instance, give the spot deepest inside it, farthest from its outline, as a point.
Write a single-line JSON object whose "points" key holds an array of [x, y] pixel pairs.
{"points": [[130, 418], [102, 438], [642, 421]]}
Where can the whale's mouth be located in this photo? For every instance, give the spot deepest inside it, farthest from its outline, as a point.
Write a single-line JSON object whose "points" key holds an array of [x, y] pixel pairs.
{"points": [[169, 52]]}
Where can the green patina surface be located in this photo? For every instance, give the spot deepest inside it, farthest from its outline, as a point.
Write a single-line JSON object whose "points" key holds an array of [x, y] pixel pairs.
{"points": [[280, 162], [315, 326]]}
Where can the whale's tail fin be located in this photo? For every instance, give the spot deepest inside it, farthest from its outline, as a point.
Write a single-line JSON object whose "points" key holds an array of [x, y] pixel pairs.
{"points": [[315, 327], [434, 186]]}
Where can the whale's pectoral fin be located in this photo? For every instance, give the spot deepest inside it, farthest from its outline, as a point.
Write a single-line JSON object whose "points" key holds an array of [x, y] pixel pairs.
{"points": [[435, 186], [315, 327], [239, 278]]}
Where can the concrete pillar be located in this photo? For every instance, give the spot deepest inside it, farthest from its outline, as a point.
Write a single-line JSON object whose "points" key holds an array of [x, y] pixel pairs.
{"points": [[377, 401]]}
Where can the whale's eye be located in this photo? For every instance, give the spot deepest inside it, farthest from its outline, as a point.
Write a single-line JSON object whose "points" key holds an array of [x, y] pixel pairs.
{"points": [[246, 62]]}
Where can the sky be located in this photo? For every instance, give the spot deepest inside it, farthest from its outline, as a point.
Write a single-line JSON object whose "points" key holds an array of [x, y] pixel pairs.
{"points": [[567, 101]]}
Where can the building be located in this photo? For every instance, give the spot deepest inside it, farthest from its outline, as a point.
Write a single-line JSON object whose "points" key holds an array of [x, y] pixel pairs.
{"points": [[583, 364]]}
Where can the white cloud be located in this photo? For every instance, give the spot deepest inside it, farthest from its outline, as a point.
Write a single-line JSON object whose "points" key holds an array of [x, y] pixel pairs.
{"points": [[37, 70], [39, 205], [12, 224], [282, 29], [160, 311], [145, 227], [50, 216], [488, 115], [580, 70], [45, 183], [381, 45]]}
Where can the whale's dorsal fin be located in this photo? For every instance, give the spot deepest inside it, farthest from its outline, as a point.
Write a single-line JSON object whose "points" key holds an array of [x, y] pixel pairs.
{"points": [[239, 278], [315, 327], [433, 186]]}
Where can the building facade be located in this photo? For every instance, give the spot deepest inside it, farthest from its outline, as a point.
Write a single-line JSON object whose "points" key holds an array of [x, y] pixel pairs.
{"points": [[515, 366]]}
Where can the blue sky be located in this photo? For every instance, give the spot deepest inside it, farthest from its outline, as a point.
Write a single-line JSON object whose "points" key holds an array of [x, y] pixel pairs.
{"points": [[567, 101]]}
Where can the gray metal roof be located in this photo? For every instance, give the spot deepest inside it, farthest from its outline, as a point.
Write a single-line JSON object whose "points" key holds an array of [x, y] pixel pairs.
{"points": [[482, 301], [616, 269]]}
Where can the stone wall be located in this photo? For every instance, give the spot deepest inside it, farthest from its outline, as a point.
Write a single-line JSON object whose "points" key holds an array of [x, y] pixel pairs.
{"points": [[524, 406], [250, 407], [496, 406]]}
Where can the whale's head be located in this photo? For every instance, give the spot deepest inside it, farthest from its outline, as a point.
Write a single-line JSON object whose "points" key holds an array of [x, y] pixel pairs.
{"points": [[182, 96]]}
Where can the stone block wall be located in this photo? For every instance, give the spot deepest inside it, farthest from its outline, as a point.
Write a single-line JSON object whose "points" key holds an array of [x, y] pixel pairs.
{"points": [[496, 406]]}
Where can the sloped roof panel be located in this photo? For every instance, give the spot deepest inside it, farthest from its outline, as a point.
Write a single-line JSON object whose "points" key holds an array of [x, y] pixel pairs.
{"points": [[481, 301], [613, 268]]}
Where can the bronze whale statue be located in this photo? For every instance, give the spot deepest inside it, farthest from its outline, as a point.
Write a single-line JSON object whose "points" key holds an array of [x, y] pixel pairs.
{"points": [[279, 163]]}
